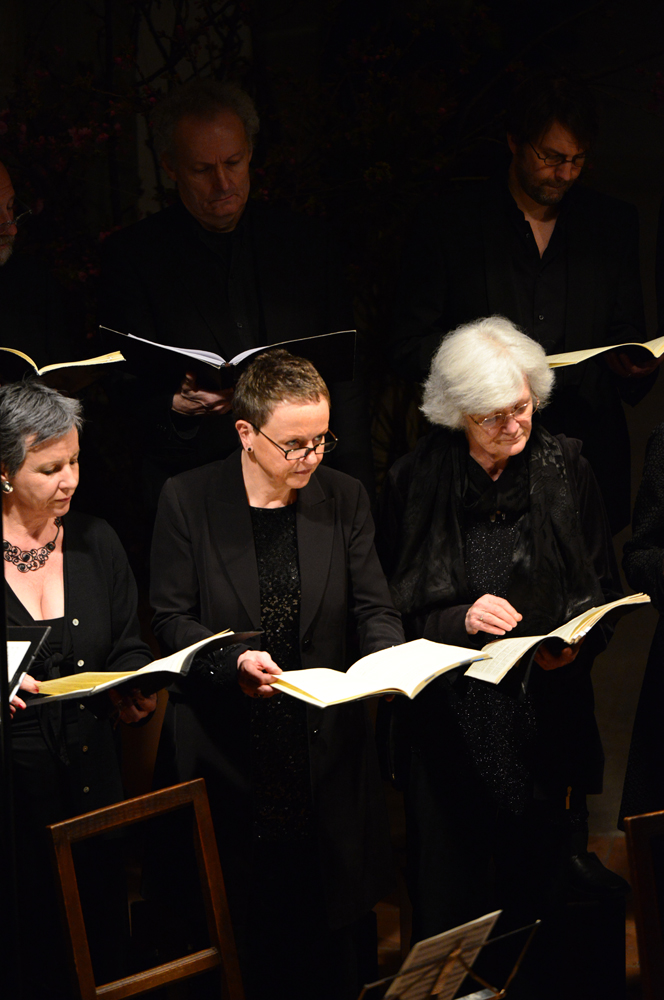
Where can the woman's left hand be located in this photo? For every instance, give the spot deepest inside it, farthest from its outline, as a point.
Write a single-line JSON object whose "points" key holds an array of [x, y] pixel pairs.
{"points": [[549, 661], [132, 705]]}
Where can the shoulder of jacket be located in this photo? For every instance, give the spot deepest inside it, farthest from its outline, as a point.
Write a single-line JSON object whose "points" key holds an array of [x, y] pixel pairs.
{"points": [[146, 230]]}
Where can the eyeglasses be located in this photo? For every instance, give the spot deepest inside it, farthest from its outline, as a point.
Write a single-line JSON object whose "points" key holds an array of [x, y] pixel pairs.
{"points": [[329, 443], [24, 212], [557, 159], [497, 420]]}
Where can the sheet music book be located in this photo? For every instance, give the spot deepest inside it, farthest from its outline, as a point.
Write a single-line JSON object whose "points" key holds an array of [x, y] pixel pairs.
{"points": [[503, 654], [23, 644], [431, 967], [654, 347], [332, 354]]}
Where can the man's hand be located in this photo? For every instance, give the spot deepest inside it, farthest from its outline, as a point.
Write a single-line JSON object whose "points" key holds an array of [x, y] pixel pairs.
{"points": [[132, 705], [550, 661], [491, 614], [195, 402], [254, 668], [621, 364]]}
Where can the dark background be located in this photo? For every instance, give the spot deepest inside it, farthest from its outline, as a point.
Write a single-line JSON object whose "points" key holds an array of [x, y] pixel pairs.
{"points": [[368, 107]]}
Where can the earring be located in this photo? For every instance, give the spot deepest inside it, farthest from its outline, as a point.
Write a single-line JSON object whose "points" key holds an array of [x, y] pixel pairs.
{"points": [[7, 487], [248, 449]]}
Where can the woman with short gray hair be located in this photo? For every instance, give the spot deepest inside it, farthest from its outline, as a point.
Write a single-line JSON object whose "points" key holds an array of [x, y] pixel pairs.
{"points": [[66, 571], [493, 527]]}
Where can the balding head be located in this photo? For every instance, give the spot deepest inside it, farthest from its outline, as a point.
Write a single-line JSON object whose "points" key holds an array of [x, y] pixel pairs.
{"points": [[7, 232]]}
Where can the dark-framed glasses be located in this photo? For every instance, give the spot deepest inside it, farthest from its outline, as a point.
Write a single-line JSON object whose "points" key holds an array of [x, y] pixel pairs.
{"points": [[497, 420], [23, 212], [328, 443], [558, 159]]}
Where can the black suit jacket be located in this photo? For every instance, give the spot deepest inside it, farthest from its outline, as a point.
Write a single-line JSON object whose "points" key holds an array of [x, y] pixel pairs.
{"points": [[204, 578], [457, 268], [160, 281]]}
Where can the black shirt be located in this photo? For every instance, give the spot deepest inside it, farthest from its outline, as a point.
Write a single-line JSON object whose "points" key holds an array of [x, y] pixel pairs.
{"points": [[541, 282]]}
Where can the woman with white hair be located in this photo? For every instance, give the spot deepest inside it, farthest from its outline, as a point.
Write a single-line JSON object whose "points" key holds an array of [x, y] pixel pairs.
{"points": [[493, 527]]}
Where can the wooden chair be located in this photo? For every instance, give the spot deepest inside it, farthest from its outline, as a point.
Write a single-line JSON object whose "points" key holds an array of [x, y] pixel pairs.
{"points": [[222, 950], [640, 832]]}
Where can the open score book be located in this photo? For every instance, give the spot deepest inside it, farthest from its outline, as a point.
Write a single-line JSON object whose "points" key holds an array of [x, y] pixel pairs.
{"points": [[150, 678], [404, 669], [503, 654], [654, 347]]}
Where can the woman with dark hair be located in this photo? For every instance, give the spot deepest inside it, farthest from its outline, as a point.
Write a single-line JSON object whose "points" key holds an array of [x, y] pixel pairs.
{"points": [[67, 571], [272, 539], [493, 527]]}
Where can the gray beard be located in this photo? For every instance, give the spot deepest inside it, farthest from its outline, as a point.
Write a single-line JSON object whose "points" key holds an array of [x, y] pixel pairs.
{"points": [[6, 250], [542, 195]]}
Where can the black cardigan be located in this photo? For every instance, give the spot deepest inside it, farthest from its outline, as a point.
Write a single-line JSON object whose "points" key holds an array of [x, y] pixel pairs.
{"points": [[101, 633]]}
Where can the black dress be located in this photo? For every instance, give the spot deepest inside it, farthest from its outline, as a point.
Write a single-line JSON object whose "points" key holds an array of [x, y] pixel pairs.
{"points": [[490, 766], [48, 747]]}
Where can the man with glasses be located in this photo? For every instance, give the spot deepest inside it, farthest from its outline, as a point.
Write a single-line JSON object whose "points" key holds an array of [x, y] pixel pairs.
{"points": [[556, 258], [219, 271], [32, 309]]}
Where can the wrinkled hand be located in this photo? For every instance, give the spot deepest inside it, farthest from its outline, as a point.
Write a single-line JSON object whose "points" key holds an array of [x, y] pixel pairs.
{"points": [[193, 401], [132, 705], [621, 364], [491, 614], [550, 661], [27, 684], [254, 668]]}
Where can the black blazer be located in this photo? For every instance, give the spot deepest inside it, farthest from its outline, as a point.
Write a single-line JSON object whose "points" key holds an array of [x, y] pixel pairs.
{"points": [[160, 281], [205, 578], [456, 269]]}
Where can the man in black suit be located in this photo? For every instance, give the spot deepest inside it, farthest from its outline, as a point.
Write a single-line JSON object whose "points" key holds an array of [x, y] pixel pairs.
{"points": [[32, 308], [558, 259], [217, 271]]}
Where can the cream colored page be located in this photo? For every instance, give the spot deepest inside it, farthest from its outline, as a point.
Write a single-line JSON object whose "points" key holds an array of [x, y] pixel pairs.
{"points": [[103, 359], [503, 653], [83, 682], [575, 629], [16, 650], [398, 668], [321, 684], [656, 347], [442, 977], [92, 681], [408, 666]]}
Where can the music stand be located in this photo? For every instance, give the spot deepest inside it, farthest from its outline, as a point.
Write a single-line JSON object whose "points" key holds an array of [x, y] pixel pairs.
{"points": [[437, 966]]}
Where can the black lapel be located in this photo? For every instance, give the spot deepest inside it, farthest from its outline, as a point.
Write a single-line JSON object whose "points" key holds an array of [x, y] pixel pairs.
{"points": [[232, 535], [315, 516]]}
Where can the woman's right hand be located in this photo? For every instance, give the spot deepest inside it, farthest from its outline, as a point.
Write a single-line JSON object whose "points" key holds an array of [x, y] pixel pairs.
{"points": [[491, 614], [252, 667], [27, 684]]}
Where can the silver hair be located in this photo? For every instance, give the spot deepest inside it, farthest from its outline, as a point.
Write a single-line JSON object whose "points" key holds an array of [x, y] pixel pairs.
{"points": [[29, 409], [203, 98], [480, 367]]}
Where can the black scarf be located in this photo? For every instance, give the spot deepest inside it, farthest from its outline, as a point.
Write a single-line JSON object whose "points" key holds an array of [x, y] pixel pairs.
{"points": [[553, 578]]}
